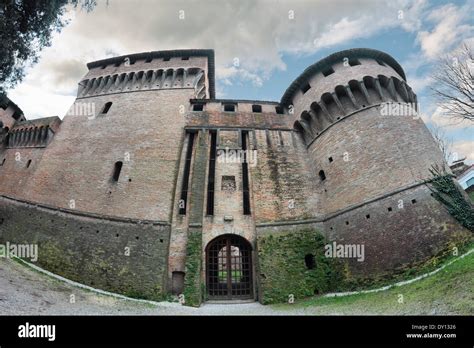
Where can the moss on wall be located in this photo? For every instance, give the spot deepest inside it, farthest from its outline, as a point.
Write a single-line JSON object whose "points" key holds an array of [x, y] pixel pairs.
{"points": [[408, 271], [192, 283], [448, 193], [283, 271], [92, 251]]}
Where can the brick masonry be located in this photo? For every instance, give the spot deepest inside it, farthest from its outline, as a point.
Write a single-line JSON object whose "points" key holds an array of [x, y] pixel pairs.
{"points": [[61, 193]]}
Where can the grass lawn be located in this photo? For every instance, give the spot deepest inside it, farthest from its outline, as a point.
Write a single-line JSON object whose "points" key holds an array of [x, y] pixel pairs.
{"points": [[223, 275], [450, 291]]}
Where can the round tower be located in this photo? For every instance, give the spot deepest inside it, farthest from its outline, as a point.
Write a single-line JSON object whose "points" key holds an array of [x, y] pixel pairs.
{"points": [[371, 154]]}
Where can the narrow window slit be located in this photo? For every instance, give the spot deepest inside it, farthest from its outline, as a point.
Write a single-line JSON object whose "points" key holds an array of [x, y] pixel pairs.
{"points": [[187, 168], [117, 170], [245, 175], [106, 108], [322, 175], [212, 172]]}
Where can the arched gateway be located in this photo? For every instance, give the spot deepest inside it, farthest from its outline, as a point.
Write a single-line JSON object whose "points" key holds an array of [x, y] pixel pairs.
{"points": [[229, 268]]}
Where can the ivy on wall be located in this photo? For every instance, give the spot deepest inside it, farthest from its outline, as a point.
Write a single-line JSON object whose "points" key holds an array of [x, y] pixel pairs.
{"points": [[193, 287], [292, 266], [449, 194]]}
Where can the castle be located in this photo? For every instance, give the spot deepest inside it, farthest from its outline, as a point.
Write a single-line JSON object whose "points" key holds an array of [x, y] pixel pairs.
{"points": [[151, 186]]}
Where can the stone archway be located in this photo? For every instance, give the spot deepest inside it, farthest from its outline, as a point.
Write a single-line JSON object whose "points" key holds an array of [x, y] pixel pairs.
{"points": [[229, 268]]}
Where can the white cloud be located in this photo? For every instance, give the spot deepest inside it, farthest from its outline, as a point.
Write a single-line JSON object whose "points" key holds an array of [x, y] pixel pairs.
{"points": [[40, 102], [258, 33], [464, 148], [362, 21], [419, 83], [342, 31], [410, 14], [448, 31], [228, 74]]}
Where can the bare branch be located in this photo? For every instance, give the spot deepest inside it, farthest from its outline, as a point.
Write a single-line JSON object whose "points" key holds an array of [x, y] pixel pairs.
{"points": [[455, 84], [443, 143]]}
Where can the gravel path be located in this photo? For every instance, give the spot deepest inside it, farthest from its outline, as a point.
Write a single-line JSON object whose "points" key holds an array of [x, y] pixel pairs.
{"points": [[24, 291]]}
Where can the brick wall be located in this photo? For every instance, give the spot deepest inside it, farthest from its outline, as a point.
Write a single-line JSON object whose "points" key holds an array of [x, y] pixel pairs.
{"points": [[371, 155], [282, 181], [142, 129], [397, 231], [370, 162]]}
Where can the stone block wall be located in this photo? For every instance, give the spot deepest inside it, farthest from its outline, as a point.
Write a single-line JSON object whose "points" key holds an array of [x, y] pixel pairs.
{"points": [[126, 257]]}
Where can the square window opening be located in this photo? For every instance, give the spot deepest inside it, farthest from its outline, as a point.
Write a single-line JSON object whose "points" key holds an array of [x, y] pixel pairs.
{"points": [[229, 107], [198, 107], [256, 108]]}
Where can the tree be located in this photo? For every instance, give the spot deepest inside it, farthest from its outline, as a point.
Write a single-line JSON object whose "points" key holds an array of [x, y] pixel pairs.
{"points": [[25, 29], [443, 143], [454, 86]]}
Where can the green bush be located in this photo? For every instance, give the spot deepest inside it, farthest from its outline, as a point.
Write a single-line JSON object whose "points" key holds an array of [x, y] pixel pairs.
{"points": [[447, 192]]}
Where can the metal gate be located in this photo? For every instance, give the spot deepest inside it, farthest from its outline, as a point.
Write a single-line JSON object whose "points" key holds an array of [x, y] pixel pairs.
{"points": [[229, 268]]}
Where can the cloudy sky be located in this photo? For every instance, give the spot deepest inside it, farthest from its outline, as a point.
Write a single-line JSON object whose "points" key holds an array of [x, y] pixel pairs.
{"points": [[274, 41]]}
